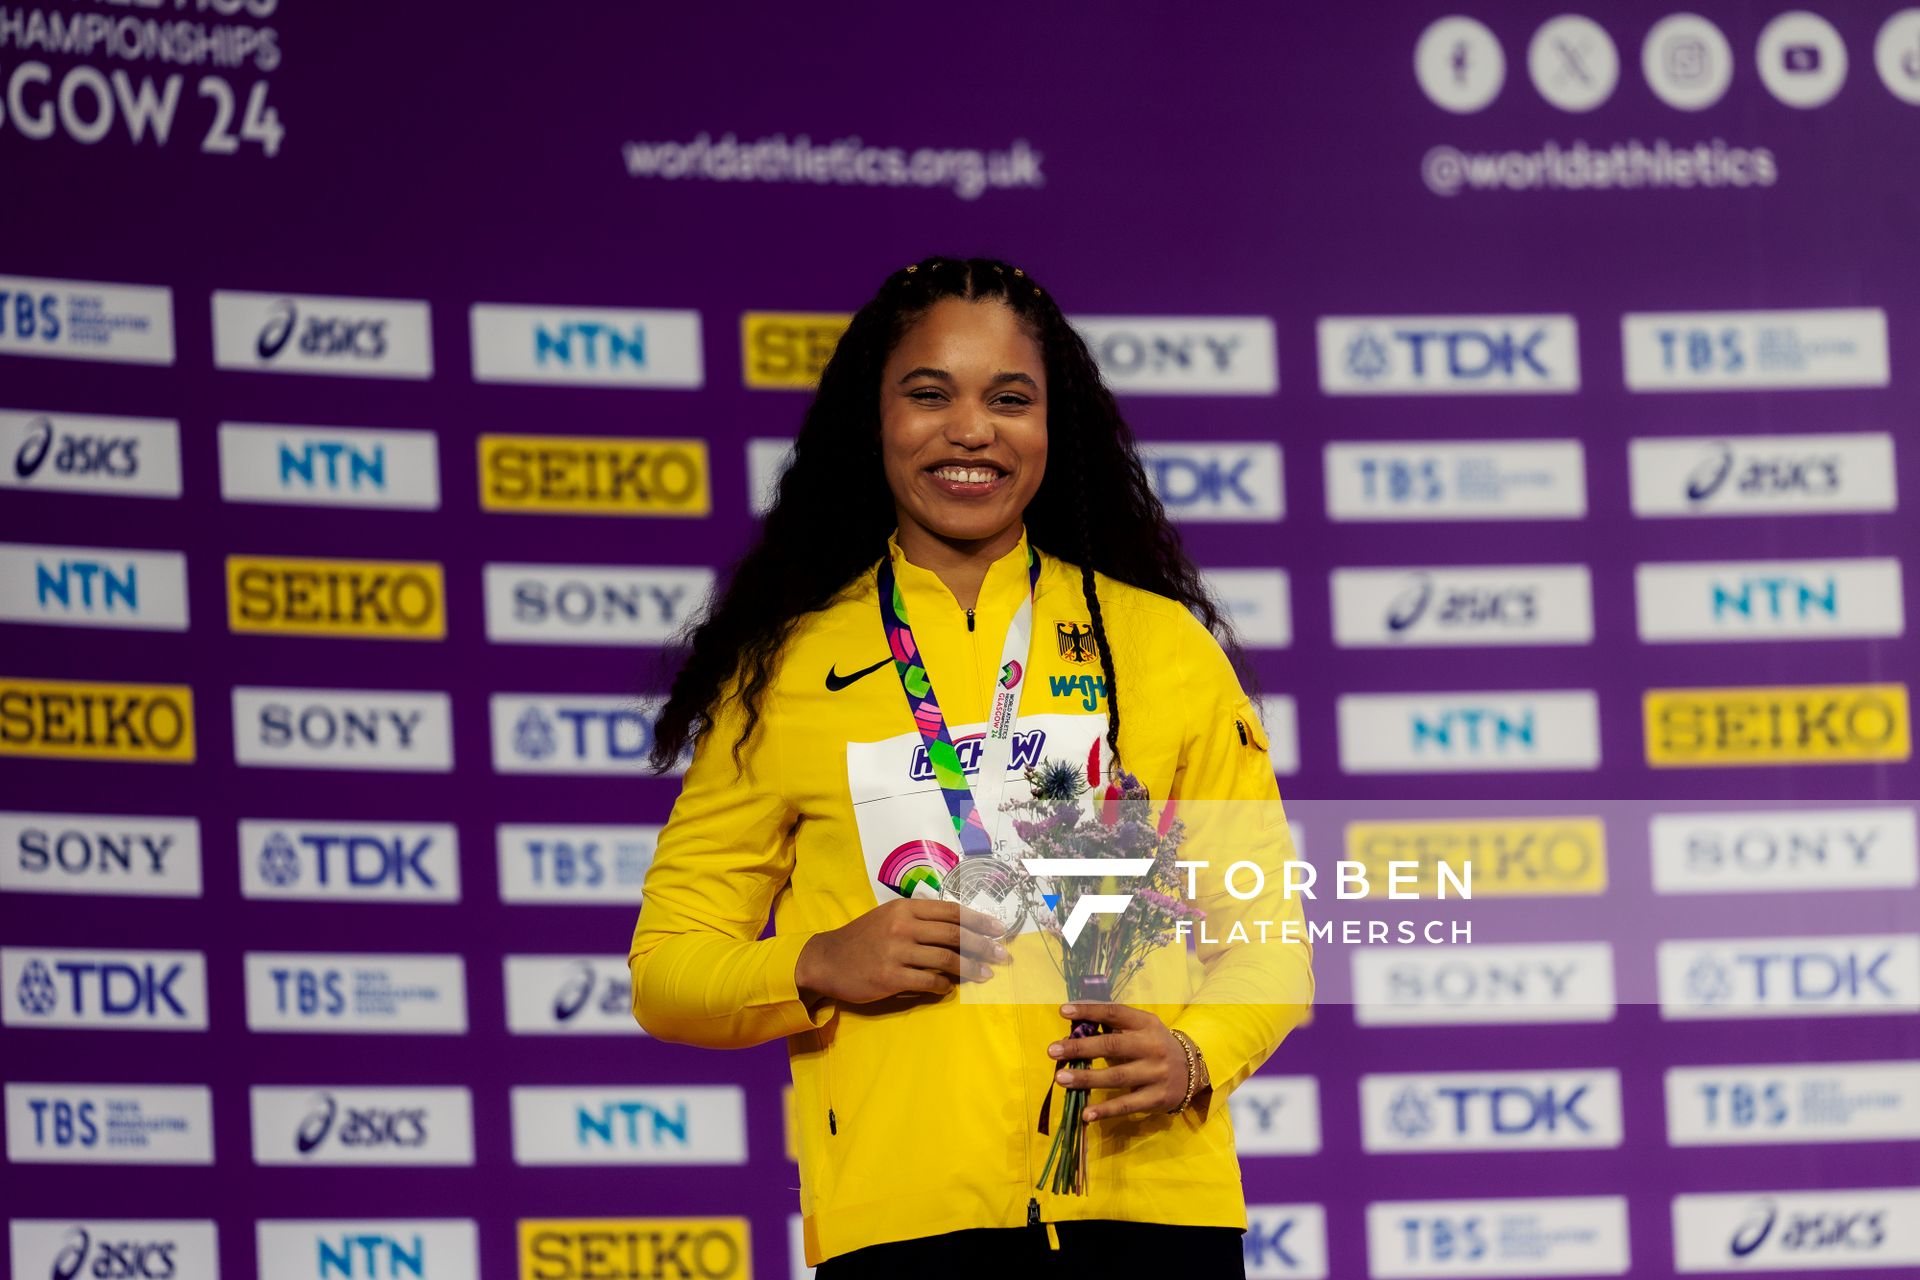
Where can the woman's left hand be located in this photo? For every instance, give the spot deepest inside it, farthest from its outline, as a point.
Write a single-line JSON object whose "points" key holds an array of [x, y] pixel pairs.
{"points": [[1144, 1057]]}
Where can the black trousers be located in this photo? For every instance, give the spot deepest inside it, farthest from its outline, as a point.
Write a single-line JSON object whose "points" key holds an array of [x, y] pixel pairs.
{"points": [[1092, 1248]]}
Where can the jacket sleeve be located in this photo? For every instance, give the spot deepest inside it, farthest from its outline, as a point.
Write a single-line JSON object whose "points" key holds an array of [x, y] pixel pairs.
{"points": [[702, 974], [1255, 990]]}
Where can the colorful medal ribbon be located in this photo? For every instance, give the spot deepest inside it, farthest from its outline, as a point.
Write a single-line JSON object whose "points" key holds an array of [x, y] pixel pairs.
{"points": [[996, 750]]}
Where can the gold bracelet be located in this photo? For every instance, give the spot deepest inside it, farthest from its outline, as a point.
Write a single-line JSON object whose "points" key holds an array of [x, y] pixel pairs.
{"points": [[1193, 1075]]}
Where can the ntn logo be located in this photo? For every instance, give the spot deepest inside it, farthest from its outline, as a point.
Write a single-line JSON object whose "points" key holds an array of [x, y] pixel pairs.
{"points": [[636, 1123], [71, 582], [598, 345], [368, 1255], [1472, 729], [1776, 596], [333, 464]]}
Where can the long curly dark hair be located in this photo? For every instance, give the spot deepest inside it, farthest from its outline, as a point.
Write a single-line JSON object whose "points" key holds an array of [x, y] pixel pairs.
{"points": [[834, 511]]}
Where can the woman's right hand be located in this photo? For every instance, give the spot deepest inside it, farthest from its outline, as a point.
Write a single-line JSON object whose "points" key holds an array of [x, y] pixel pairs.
{"points": [[907, 945]]}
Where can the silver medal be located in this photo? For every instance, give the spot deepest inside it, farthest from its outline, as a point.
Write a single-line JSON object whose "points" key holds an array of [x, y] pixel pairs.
{"points": [[990, 886]]}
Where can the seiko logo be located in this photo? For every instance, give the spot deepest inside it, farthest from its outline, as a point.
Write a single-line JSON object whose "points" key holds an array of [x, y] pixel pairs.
{"points": [[326, 336]]}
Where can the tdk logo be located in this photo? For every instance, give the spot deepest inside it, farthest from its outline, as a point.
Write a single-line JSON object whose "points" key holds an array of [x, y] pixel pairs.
{"points": [[1216, 481], [344, 861], [1424, 355], [1027, 748], [65, 987], [1790, 977], [696, 1124], [569, 733], [1490, 1111], [1285, 1242]]}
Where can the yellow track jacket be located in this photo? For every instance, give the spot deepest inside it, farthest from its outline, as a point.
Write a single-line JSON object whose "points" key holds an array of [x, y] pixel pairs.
{"points": [[917, 1116]]}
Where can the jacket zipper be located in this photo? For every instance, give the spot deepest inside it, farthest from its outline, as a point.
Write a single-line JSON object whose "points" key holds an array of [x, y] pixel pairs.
{"points": [[969, 619]]}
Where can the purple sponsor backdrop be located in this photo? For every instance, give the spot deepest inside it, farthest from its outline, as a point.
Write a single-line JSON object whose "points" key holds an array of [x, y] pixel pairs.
{"points": [[1203, 162]]}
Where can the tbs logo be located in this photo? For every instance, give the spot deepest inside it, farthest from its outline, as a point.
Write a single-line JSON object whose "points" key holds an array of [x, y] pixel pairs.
{"points": [[62, 987]]}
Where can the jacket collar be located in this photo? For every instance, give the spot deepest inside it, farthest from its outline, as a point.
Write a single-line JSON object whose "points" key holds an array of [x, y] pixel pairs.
{"points": [[1000, 593]]}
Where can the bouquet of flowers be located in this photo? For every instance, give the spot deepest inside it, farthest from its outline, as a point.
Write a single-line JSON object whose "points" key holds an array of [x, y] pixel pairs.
{"points": [[1111, 892]]}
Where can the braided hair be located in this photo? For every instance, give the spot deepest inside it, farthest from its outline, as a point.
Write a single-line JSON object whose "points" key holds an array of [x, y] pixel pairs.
{"points": [[833, 510]]}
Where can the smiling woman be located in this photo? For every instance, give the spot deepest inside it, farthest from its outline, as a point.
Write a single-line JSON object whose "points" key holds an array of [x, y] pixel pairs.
{"points": [[965, 509]]}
